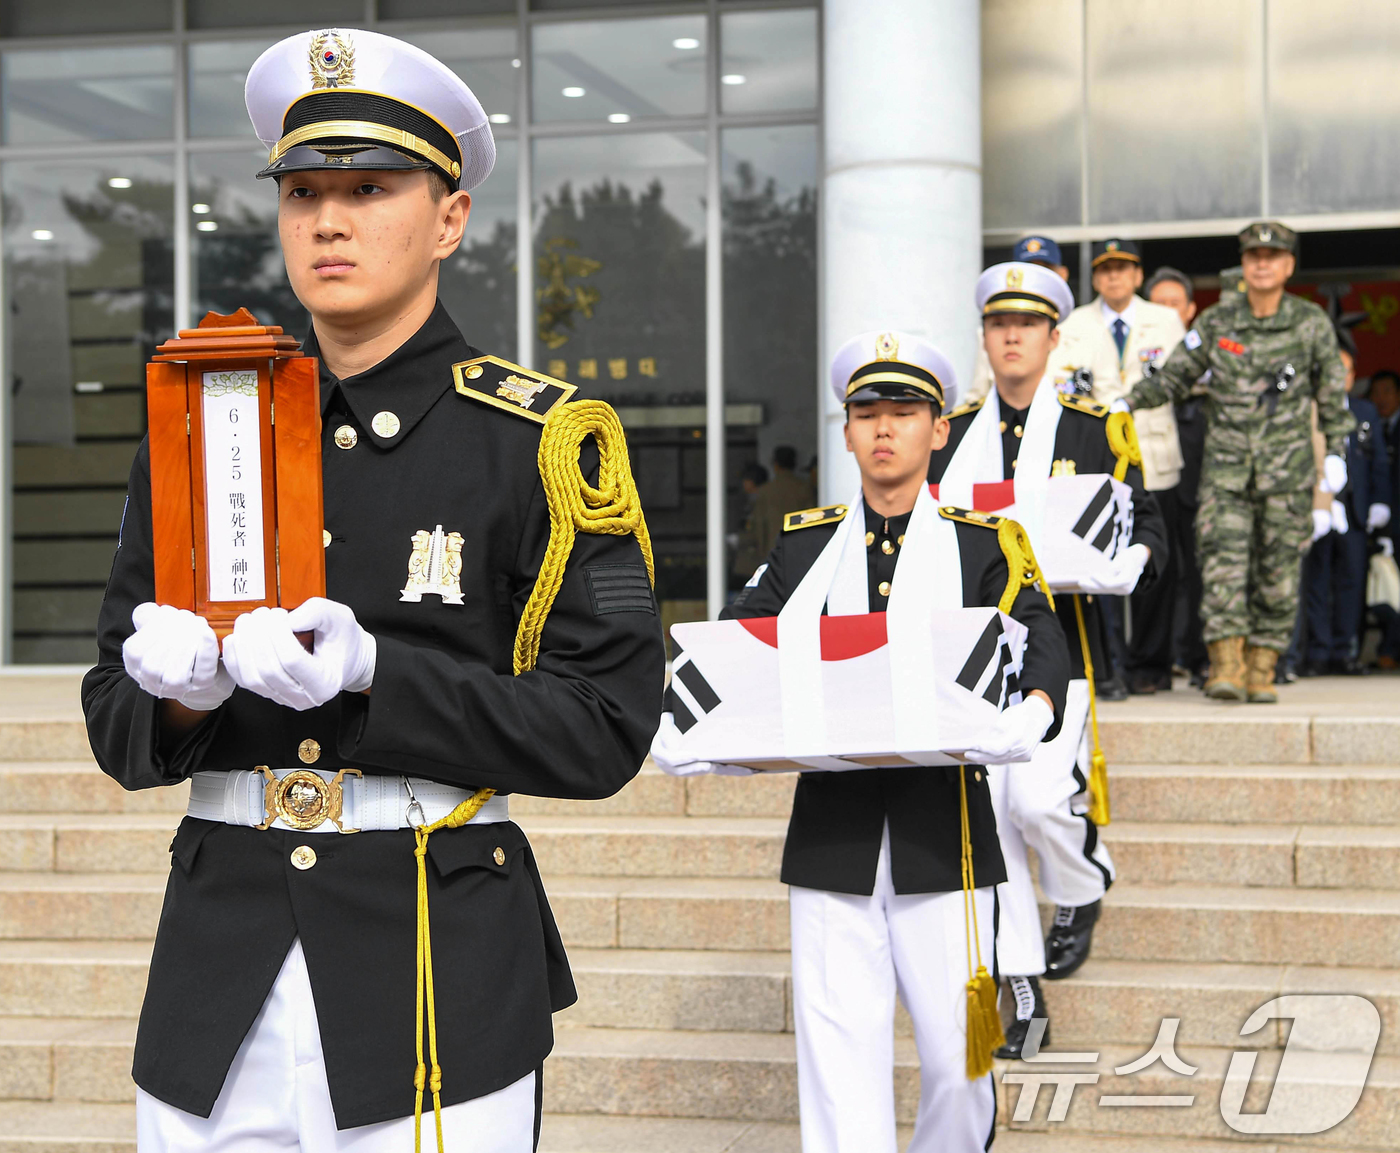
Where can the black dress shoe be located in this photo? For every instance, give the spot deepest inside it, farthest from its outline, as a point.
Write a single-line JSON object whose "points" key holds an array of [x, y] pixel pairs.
{"points": [[1348, 667], [1071, 934], [1198, 679], [1111, 690], [1312, 668], [1030, 1004], [1142, 684]]}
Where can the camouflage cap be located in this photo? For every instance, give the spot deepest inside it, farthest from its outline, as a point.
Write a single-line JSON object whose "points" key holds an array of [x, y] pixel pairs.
{"points": [[1269, 234]]}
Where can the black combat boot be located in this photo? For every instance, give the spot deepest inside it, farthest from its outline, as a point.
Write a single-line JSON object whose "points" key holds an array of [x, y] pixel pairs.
{"points": [[1071, 934], [1030, 1005]]}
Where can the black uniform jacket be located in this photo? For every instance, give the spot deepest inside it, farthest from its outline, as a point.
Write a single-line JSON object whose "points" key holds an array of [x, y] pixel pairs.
{"points": [[833, 839], [443, 705], [1081, 438]]}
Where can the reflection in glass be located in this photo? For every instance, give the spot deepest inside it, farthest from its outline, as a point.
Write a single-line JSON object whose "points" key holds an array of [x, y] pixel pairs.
{"points": [[89, 274], [596, 69], [770, 61], [620, 287], [420, 9], [274, 13], [1332, 126], [1196, 154], [59, 94], [64, 17], [477, 283], [218, 69], [769, 202], [1032, 99], [483, 58]]}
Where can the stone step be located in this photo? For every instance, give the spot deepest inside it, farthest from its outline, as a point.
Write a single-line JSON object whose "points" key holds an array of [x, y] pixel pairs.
{"points": [[1214, 733], [66, 1127], [80, 906], [1230, 923], [1343, 794], [752, 1077], [73, 978], [66, 1059], [1311, 856], [79, 786], [45, 738], [635, 846], [87, 842]]}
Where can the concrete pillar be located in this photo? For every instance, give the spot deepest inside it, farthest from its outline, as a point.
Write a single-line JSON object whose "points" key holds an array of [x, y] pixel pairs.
{"points": [[902, 218]]}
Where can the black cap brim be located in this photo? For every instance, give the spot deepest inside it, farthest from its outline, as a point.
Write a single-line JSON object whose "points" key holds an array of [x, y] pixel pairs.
{"points": [[889, 390], [333, 157]]}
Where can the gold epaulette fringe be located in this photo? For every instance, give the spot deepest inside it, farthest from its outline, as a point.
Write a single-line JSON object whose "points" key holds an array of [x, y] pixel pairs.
{"points": [[575, 506]]}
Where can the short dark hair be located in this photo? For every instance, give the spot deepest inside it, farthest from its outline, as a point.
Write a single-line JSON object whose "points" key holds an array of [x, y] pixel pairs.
{"points": [[753, 471], [1385, 374], [1167, 272], [785, 456]]}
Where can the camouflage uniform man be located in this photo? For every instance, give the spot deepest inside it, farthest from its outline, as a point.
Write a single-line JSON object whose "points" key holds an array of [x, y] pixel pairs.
{"points": [[1270, 354]]}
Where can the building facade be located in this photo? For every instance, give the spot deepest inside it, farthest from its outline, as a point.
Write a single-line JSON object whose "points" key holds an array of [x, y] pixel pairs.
{"points": [[691, 206]]}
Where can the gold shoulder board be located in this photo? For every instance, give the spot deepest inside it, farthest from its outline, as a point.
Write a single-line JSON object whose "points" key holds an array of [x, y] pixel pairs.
{"points": [[501, 384], [970, 516], [1082, 404], [807, 517], [964, 409]]}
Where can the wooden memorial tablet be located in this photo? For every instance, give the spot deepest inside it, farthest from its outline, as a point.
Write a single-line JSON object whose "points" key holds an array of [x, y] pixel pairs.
{"points": [[235, 437]]}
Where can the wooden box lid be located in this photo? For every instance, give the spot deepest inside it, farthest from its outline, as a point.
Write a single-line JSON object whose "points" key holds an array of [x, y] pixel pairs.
{"points": [[233, 337]]}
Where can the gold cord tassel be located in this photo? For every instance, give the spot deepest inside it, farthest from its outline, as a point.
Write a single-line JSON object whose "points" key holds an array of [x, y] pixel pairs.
{"points": [[1098, 763], [1123, 442], [984, 1032], [574, 506], [1022, 568]]}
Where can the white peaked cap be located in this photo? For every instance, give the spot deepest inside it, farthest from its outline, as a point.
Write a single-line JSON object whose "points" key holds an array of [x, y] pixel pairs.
{"points": [[891, 366], [344, 88], [1028, 288]]}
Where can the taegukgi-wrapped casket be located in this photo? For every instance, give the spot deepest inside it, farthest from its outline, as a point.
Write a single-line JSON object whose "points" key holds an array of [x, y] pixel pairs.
{"points": [[731, 701], [1077, 524]]}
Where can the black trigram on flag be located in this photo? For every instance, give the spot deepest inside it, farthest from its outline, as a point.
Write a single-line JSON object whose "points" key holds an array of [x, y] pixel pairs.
{"points": [[989, 666], [1104, 538], [700, 690]]}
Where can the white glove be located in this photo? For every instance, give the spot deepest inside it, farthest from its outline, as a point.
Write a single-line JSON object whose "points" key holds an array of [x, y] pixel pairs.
{"points": [[1387, 546], [1334, 474], [666, 752], [264, 656], [1339, 517], [1322, 523], [1015, 735], [174, 655], [1129, 563], [1119, 405], [1377, 516]]}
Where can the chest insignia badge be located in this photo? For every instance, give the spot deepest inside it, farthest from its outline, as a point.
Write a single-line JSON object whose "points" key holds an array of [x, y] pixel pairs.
{"points": [[435, 566], [1231, 346], [1062, 467]]}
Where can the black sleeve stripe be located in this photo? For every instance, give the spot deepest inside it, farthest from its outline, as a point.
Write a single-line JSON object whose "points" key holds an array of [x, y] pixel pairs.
{"points": [[620, 588]]}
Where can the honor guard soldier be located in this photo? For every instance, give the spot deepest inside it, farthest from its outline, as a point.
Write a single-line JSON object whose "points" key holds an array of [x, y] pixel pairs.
{"points": [[1270, 355], [465, 651], [873, 857], [1029, 250], [1027, 420]]}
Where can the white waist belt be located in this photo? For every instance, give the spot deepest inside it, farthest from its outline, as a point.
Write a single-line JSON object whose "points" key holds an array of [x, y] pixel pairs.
{"points": [[322, 801]]}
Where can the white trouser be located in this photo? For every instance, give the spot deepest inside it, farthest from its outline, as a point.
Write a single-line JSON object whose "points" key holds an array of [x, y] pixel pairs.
{"points": [[276, 1097], [850, 954], [1042, 803]]}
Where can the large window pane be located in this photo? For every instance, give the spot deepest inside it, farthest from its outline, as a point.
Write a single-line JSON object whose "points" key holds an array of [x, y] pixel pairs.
{"points": [[217, 71], [88, 291], [484, 58], [1333, 121], [477, 284], [64, 17], [620, 283], [1032, 97], [1175, 109], [53, 95], [619, 70], [236, 257], [274, 13], [769, 199], [411, 9], [770, 61]]}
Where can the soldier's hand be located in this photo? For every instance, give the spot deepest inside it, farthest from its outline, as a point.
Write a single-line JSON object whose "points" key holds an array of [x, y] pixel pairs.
{"points": [[1339, 517], [174, 655], [1016, 734], [265, 657], [1322, 523], [1334, 474], [1377, 516]]}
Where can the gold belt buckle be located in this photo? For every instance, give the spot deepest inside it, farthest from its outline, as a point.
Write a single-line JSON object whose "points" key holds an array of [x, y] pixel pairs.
{"points": [[304, 799]]}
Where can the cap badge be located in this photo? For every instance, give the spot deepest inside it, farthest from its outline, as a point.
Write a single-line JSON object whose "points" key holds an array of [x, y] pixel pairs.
{"points": [[332, 57], [1014, 277], [886, 346], [1265, 234], [1032, 245], [1111, 246]]}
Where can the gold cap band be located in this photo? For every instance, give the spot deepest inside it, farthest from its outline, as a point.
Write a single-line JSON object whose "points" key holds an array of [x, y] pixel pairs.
{"points": [[887, 376], [366, 130], [1021, 304]]}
